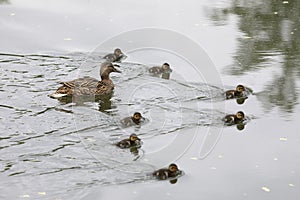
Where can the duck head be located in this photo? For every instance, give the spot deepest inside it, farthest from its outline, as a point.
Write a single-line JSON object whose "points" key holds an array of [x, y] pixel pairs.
{"points": [[107, 68]]}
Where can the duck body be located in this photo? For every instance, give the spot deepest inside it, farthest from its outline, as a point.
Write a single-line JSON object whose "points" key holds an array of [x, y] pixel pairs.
{"points": [[234, 118], [117, 56], [132, 141], [237, 93], [85, 86], [88, 86], [165, 173]]}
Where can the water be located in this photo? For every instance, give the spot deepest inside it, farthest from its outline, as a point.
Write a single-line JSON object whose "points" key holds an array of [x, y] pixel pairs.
{"points": [[58, 150]]}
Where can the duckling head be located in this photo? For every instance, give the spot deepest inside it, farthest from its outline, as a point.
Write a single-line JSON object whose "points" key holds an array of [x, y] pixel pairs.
{"points": [[137, 116], [118, 52], [173, 167], [240, 88], [240, 115], [134, 138]]}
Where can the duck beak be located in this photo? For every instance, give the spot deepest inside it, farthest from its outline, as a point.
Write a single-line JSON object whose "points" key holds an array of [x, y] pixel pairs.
{"points": [[118, 71], [123, 56], [115, 70]]}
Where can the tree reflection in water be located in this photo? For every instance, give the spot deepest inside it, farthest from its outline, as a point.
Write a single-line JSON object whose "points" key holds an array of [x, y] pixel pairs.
{"points": [[4, 2], [271, 33]]}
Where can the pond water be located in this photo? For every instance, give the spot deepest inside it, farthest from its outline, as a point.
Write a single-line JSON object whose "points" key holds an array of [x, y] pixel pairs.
{"points": [[51, 149]]}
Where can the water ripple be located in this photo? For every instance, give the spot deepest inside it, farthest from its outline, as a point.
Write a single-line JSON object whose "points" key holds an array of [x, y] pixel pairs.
{"points": [[44, 140]]}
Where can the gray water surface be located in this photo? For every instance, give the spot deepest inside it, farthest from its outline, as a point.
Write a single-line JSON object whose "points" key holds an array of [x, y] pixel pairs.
{"points": [[56, 150]]}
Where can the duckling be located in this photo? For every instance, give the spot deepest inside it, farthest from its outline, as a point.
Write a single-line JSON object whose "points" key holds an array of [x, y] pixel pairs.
{"points": [[135, 119], [238, 92], [117, 56], [164, 173], [164, 69], [88, 86], [132, 141], [234, 119]]}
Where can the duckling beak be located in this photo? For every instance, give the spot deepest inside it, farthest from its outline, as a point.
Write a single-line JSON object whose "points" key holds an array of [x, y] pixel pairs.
{"points": [[143, 119], [139, 142]]}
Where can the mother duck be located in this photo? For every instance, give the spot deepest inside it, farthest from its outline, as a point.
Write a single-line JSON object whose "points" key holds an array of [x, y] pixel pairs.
{"points": [[88, 86]]}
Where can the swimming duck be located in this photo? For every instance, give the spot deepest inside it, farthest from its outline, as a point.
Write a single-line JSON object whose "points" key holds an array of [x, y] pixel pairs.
{"points": [[164, 69], [234, 118], [135, 119], [163, 174], [117, 56], [88, 86], [238, 92], [132, 141]]}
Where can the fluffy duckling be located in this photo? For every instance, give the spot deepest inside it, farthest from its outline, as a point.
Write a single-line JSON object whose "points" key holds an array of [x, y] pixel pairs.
{"points": [[135, 119], [117, 56], [164, 69], [238, 92], [165, 173], [234, 118], [132, 141], [88, 86]]}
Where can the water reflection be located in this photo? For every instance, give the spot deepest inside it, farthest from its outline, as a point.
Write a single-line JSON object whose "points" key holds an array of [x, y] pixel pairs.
{"points": [[241, 100], [173, 181], [4, 2], [105, 105], [47, 136], [271, 33], [239, 126], [166, 75]]}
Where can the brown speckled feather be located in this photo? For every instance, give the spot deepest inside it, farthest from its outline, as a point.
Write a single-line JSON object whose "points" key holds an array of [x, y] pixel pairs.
{"points": [[86, 86]]}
